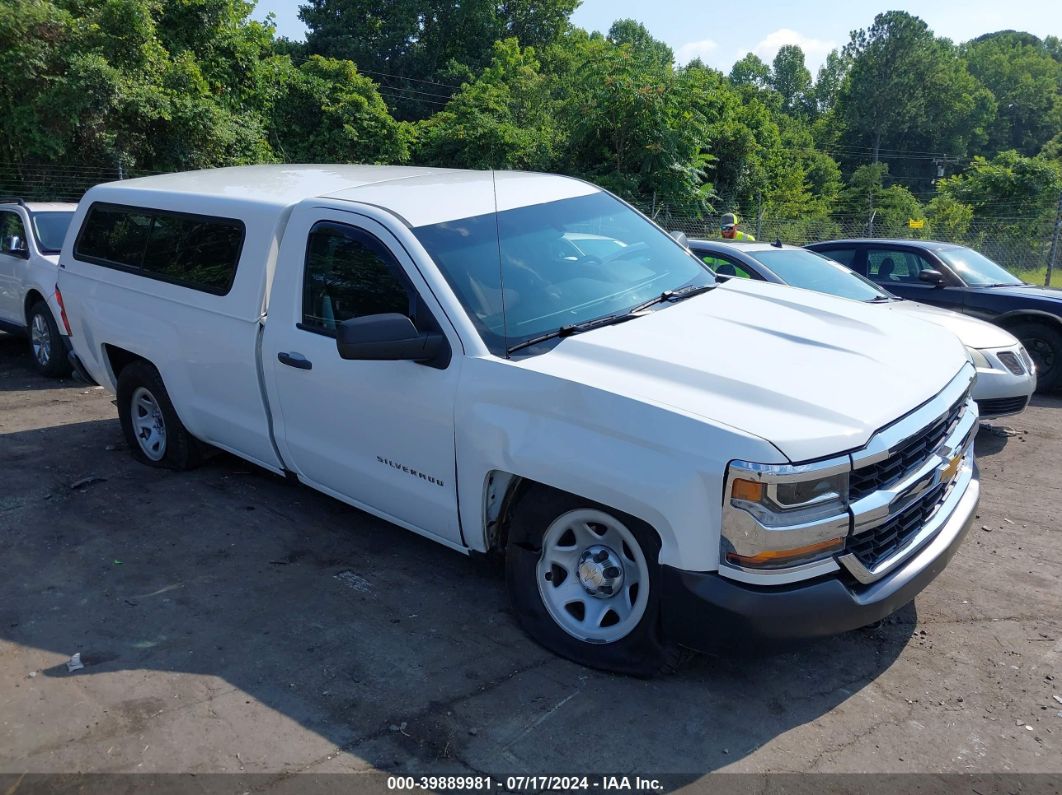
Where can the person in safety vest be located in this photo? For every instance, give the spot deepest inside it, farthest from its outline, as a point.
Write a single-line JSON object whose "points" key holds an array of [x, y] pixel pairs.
{"points": [[730, 229]]}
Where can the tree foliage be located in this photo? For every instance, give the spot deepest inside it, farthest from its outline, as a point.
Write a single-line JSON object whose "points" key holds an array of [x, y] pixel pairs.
{"points": [[177, 84]]}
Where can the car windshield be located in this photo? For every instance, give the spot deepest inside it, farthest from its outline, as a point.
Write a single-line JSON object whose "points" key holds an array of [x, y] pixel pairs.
{"points": [[976, 269], [800, 268], [532, 270], [50, 229]]}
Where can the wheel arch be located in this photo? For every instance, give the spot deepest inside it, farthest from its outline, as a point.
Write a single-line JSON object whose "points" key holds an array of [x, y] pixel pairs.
{"points": [[1012, 318], [503, 491], [118, 359], [33, 297]]}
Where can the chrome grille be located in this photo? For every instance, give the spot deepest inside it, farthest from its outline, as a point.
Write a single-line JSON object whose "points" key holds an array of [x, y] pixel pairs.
{"points": [[875, 545], [906, 457], [1011, 362]]}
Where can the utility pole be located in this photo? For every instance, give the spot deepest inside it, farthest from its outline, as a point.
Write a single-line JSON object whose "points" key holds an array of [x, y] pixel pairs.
{"points": [[1054, 243]]}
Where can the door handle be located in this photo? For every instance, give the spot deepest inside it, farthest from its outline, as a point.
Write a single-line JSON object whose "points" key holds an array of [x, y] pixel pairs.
{"points": [[296, 360]]}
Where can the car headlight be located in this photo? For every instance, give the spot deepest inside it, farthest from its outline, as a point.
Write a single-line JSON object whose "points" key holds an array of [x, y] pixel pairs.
{"points": [[781, 516], [979, 360]]}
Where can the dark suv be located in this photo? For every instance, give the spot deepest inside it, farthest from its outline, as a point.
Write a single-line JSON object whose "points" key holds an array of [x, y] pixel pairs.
{"points": [[958, 278]]}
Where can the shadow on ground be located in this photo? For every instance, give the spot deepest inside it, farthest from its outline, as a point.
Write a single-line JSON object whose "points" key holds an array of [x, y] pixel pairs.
{"points": [[16, 367], [302, 610]]}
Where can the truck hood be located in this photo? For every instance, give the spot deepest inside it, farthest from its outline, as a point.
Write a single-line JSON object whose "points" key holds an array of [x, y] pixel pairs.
{"points": [[812, 374], [972, 333]]}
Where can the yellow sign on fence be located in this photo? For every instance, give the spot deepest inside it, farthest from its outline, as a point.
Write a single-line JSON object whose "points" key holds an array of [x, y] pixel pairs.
{"points": [[911, 222]]}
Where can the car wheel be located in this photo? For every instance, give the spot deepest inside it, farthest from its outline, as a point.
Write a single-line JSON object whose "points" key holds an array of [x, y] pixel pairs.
{"points": [[153, 431], [46, 344], [1044, 344], [583, 581]]}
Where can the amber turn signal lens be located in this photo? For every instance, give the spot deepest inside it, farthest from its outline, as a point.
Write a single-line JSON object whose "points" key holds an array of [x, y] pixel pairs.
{"points": [[748, 490], [776, 557]]}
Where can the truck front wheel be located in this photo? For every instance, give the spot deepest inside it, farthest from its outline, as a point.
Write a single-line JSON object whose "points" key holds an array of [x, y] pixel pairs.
{"points": [[153, 431], [582, 580]]}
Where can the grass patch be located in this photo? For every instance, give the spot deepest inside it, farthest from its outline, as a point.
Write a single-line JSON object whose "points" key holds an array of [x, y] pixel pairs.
{"points": [[1037, 277]]}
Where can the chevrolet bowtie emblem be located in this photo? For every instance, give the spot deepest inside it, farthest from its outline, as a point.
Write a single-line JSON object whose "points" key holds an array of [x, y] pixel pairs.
{"points": [[949, 471]]}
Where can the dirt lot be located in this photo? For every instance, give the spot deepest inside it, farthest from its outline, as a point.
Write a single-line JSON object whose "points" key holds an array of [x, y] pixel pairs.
{"points": [[230, 621]]}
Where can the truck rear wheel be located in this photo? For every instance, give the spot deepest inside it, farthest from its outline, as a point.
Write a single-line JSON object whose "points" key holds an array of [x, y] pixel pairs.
{"points": [[582, 579], [46, 344], [153, 431]]}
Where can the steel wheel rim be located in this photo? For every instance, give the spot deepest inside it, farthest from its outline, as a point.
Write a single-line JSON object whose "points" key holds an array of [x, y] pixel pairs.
{"points": [[1041, 353], [569, 598], [149, 426], [41, 340]]}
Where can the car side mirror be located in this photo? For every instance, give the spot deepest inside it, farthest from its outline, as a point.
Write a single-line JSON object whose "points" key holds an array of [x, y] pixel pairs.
{"points": [[14, 246], [934, 277], [389, 337], [680, 238]]}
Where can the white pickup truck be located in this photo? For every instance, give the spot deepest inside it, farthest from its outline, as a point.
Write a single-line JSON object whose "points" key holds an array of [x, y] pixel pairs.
{"points": [[522, 363]]}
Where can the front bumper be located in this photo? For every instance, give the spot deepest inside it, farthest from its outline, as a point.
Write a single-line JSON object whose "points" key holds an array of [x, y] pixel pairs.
{"points": [[703, 610], [999, 391]]}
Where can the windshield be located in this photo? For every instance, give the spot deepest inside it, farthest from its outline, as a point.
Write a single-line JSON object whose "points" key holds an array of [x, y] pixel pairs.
{"points": [[561, 263], [976, 269], [50, 229], [800, 268]]}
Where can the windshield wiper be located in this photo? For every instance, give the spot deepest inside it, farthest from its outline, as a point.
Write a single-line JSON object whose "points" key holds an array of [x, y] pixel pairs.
{"points": [[573, 328], [672, 296], [609, 320]]}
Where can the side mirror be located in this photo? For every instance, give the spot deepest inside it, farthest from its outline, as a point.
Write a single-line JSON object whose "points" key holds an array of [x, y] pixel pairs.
{"points": [[680, 238], [14, 246], [389, 337], [934, 277]]}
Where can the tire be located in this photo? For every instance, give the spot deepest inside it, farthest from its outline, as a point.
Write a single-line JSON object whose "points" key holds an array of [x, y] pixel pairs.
{"points": [[1044, 344], [46, 344], [626, 637], [155, 435]]}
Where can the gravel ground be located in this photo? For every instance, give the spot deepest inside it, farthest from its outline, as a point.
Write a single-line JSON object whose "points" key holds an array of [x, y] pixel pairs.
{"points": [[229, 621]]}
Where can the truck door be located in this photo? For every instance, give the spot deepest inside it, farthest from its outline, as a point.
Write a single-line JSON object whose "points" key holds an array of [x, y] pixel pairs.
{"points": [[377, 434]]}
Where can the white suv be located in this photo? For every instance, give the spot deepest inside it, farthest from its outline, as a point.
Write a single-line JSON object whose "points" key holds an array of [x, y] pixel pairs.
{"points": [[31, 235]]}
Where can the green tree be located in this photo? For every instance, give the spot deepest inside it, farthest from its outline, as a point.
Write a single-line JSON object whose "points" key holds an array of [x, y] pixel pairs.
{"points": [[632, 126], [422, 50], [948, 217], [751, 71], [329, 113], [1026, 81], [92, 82], [1008, 185], [886, 209], [791, 79], [637, 36], [906, 89], [505, 118], [829, 81]]}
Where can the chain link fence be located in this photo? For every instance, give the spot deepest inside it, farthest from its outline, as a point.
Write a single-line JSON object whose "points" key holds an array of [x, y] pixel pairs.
{"points": [[57, 183], [1020, 244]]}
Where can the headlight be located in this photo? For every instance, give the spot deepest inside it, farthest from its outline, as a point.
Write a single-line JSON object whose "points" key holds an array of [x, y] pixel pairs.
{"points": [[979, 360], [783, 516]]}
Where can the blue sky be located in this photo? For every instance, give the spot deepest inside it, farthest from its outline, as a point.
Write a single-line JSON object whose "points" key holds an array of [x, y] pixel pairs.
{"points": [[720, 37]]}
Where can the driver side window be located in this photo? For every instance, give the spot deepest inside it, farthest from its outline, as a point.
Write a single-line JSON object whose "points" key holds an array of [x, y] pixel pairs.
{"points": [[350, 273], [889, 266], [12, 235]]}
